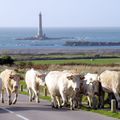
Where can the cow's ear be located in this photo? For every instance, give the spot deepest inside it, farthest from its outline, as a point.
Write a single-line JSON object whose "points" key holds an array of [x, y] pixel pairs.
{"points": [[70, 77], [11, 76]]}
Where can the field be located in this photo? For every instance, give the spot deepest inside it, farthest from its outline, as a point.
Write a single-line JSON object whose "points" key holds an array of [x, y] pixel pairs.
{"points": [[110, 61], [81, 65]]}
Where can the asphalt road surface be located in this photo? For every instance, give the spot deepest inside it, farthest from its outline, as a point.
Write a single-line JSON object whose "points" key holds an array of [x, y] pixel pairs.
{"points": [[24, 110]]}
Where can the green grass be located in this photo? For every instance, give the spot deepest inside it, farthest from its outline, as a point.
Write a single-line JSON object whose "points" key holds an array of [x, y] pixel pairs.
{"points": [[108, 113], [105, 112], [79, 61]]}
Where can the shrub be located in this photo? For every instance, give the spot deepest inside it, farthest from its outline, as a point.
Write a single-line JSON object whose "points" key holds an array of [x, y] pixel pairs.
{"points": [[6, 60]]}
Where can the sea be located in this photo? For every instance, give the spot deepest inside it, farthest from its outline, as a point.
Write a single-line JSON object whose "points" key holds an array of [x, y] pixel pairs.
{"points": [[59, 36]]}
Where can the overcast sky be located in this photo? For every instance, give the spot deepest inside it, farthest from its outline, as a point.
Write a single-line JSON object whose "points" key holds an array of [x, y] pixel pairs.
{"points": [[60, 13]]}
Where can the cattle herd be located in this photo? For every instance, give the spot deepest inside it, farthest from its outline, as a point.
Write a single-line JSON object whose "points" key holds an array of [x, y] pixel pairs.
{"points": [[64, 87]]}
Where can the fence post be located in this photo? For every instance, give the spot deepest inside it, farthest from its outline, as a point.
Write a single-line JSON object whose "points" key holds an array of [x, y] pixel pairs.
{"points": [[21, 88], [113, 105], [45, 91]]}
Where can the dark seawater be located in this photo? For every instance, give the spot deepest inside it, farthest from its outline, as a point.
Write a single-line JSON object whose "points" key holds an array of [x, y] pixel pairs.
{"points": [[8, 37]]}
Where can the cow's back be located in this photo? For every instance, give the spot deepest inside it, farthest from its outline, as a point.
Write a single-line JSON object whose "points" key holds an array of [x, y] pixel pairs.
{"points": [[52, 80], [30, 78], [5, 76], [110, 80], [57, 82]]}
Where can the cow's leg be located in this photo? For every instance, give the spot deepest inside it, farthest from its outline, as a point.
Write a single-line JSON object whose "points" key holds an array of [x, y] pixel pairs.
{"points": [[37, 98], [36, 92], [15, 99], [33, 96], [64, 99], [58, 101], [89, 101], [77, 101], [2, 96], [117, 96], [101, 100], [94, 102], [9, 96], [54, 101], [80, 100], [71, 104], [30, 94], [109, 98]]}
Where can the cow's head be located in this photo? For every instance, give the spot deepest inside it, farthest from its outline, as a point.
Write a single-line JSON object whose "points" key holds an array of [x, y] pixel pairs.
{"points": [[96, 87], [76, 80], [15, 81], [41, 78]]}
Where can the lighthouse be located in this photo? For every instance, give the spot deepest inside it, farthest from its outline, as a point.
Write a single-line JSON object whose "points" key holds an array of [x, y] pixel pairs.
{"points": [[40, 34]]}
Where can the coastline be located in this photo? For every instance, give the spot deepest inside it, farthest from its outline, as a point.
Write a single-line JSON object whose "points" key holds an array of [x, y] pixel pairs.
{"points": [[58, 51]]}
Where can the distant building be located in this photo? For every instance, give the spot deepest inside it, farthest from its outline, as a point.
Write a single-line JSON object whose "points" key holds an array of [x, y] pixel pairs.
{"points": [[40, 34]]}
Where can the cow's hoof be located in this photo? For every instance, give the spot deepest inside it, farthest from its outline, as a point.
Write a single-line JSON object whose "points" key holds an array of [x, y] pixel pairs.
{"points": [[13, 102], [55, 107], [33, 98], [60, 106], [10, 103], [38, 101], [71, 108], [65, 105]]}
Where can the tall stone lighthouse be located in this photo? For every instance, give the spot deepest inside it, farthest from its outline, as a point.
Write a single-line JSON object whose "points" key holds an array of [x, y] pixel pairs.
{"points": [[40, 34]]}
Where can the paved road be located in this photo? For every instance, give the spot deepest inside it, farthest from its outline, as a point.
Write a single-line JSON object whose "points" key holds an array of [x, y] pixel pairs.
{"points": [[24, 110]]}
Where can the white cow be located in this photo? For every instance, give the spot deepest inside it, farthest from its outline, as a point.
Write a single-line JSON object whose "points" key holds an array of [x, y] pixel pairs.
{"points": [[33, 80], [62, 84], [110, 81], [10, 83], [92, 86]]}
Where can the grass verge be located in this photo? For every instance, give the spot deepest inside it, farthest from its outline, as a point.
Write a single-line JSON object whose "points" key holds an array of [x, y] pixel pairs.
{"points": [[105, 112]]}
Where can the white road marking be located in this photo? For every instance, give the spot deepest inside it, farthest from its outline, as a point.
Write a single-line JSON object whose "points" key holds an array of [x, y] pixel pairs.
{"points": [[11, 112], [24, 118], [7, 110]]}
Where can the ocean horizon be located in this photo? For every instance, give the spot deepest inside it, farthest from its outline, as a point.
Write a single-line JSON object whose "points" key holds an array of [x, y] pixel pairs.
{"points": [[9, 36]]}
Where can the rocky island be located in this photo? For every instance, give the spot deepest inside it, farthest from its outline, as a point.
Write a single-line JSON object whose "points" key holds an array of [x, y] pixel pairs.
{"points": [[89, 43]]}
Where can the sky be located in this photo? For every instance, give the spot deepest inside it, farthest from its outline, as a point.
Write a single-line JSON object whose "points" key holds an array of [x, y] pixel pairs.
{"points": [[60, 13]]}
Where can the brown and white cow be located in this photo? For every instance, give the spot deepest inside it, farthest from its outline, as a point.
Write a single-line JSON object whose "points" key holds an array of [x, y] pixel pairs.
{"points": [[90, 87], [10, 83]]}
